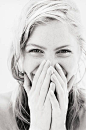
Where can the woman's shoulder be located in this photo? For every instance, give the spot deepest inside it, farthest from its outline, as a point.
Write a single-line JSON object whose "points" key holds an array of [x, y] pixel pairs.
{"points": [[5, 102], [5, 99], [6, 112]]}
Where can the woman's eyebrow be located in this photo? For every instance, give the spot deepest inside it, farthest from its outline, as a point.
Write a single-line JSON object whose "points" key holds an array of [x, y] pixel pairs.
{"points": [[61, 47], [45, 48], [36, 46]]}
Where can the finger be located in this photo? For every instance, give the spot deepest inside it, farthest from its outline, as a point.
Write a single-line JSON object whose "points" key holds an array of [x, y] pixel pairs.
{"points": [[52, 87], [26, 84], [53, 100], [36, 77], [45, 86], [61, 81], [70, 83], [60, 92], [61, 73], [42, 78]]}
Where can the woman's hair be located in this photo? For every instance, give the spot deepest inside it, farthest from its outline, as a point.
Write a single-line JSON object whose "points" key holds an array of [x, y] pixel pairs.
{"points": [[38, 12]]}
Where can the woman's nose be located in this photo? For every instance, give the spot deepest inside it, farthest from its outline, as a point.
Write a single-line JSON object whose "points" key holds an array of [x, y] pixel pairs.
{"points": [[52, 60]]}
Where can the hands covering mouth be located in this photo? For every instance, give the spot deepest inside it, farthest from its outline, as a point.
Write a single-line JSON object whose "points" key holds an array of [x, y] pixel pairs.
{"points": [[33, 74], [34, 71], [48, 97]]}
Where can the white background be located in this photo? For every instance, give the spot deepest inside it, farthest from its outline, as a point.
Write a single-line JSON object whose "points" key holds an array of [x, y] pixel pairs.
{"points": [[9, 12]]}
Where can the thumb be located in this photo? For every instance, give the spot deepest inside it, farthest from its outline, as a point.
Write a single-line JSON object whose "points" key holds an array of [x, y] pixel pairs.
{"points": [[26, 83], [71, 82]]}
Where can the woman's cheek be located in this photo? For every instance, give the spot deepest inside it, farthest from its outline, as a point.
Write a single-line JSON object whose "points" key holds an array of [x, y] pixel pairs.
{"points": [[30, 65], [71, 68]]}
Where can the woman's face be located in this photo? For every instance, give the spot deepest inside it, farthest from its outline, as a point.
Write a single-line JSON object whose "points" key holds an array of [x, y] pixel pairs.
{"points": [[54, 42]]}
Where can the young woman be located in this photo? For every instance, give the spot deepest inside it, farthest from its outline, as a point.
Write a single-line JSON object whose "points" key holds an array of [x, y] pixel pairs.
{"points": [[48, 61]]}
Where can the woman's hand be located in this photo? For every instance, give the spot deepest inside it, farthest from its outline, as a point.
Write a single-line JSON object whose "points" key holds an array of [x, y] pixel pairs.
{"points": [[60, 104], [38, 97]]}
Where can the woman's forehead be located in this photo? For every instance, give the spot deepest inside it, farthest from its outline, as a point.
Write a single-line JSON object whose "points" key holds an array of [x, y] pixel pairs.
{"points": [[54, 32]]}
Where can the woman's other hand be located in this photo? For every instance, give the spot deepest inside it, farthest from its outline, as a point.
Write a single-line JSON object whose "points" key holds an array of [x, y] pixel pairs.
{"points": [[38, 97], [59, 104]]}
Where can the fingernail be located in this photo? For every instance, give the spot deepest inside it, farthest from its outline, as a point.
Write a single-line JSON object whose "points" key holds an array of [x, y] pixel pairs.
{"points": [[51, 68], [52, 77], [48, 61], [58, 66], [52, 86]]}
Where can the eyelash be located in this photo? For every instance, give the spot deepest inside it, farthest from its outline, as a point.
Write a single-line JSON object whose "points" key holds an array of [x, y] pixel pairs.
{"points": [[64, 51], [40, 51], [36, 51]]}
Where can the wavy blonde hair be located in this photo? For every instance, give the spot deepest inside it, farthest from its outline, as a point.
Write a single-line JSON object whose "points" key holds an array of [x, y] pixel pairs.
{"points": [[38, 12]]}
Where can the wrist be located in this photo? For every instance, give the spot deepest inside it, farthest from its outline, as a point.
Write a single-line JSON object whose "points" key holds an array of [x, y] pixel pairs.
{"points": [[34, 128], [64, 128]]}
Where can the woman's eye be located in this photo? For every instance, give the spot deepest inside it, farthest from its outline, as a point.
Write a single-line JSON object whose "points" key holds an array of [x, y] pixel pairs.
{"points": [[36, 51], [63, 52]]}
